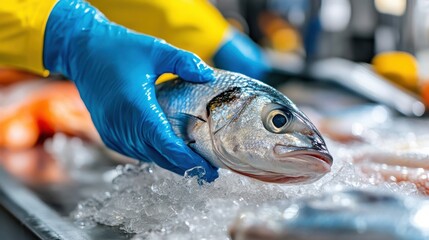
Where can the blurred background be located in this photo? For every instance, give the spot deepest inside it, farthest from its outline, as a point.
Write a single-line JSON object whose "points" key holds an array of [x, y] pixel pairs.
{"points": [[358, 68], [356, 44], [314, 30]]}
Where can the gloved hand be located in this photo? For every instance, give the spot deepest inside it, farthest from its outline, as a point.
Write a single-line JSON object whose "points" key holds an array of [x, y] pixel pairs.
{"points": [[240, 54], [114, 70]]}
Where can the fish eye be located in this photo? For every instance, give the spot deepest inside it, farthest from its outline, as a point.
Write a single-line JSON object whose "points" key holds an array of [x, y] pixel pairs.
{"points": [[277, 120]]}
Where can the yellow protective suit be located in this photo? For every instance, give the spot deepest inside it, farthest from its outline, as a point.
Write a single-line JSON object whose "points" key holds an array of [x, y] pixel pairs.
{"points": [[193, 25], [22, 28]]}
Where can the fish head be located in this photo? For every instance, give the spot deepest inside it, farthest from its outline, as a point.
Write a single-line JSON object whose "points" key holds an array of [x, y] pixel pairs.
{"points": [[263, 135]]}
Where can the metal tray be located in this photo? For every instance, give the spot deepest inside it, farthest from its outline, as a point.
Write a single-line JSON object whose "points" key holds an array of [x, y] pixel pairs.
{"points": [[44, 208]]}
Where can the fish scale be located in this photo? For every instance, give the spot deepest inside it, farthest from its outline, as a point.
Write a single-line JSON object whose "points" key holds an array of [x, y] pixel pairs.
{"points": [[171, 94], [188, 97]]}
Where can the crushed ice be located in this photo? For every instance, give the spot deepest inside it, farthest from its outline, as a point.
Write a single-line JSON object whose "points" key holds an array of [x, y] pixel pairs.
{"points": [[157, 204]]}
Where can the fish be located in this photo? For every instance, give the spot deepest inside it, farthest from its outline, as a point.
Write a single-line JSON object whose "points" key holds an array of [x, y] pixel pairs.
{"points": [[10, 75], [343, 214], [401, 166], [241, 124], [33, 109]]}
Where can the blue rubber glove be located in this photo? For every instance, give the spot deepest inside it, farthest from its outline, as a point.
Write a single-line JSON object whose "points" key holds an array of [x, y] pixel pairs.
{"points": [[240, 54], [115, 70]]}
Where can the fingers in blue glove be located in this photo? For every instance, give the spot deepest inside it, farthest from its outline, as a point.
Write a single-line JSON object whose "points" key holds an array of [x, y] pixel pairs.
{"points": [[176, 153], [183, 63], [172, 148], [162, 161]]}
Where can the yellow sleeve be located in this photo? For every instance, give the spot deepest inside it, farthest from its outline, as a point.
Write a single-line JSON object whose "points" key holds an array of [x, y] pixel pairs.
{"points": [[22, 29], [193, 25]]}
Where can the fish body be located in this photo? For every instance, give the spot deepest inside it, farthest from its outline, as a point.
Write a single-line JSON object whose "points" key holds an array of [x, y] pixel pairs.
{"points": [[244, 125], [346, 214]]}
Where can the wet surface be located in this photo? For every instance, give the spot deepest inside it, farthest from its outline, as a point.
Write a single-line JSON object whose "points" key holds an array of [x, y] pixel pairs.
{"points": [[12, 228]]}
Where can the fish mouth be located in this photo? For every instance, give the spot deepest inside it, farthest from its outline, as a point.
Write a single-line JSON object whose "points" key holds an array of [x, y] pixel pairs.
{"points": [[322, 156], [317, 162], [309, 165], [273, 177]]}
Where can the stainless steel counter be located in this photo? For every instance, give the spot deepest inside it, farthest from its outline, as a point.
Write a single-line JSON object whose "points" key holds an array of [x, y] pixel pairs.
{"points": [[41, 210]]}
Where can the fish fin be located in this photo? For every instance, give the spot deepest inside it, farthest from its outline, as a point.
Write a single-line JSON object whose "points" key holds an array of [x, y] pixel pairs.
{"points": [[182, 123], [191, 144]]}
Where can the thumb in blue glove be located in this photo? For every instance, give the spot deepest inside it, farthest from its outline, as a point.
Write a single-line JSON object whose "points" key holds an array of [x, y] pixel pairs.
{"points": [[115, 70]]}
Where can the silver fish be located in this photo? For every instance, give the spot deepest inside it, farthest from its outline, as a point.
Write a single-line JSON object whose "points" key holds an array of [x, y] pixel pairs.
{"points": [[346, 214], [244, 125]]}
